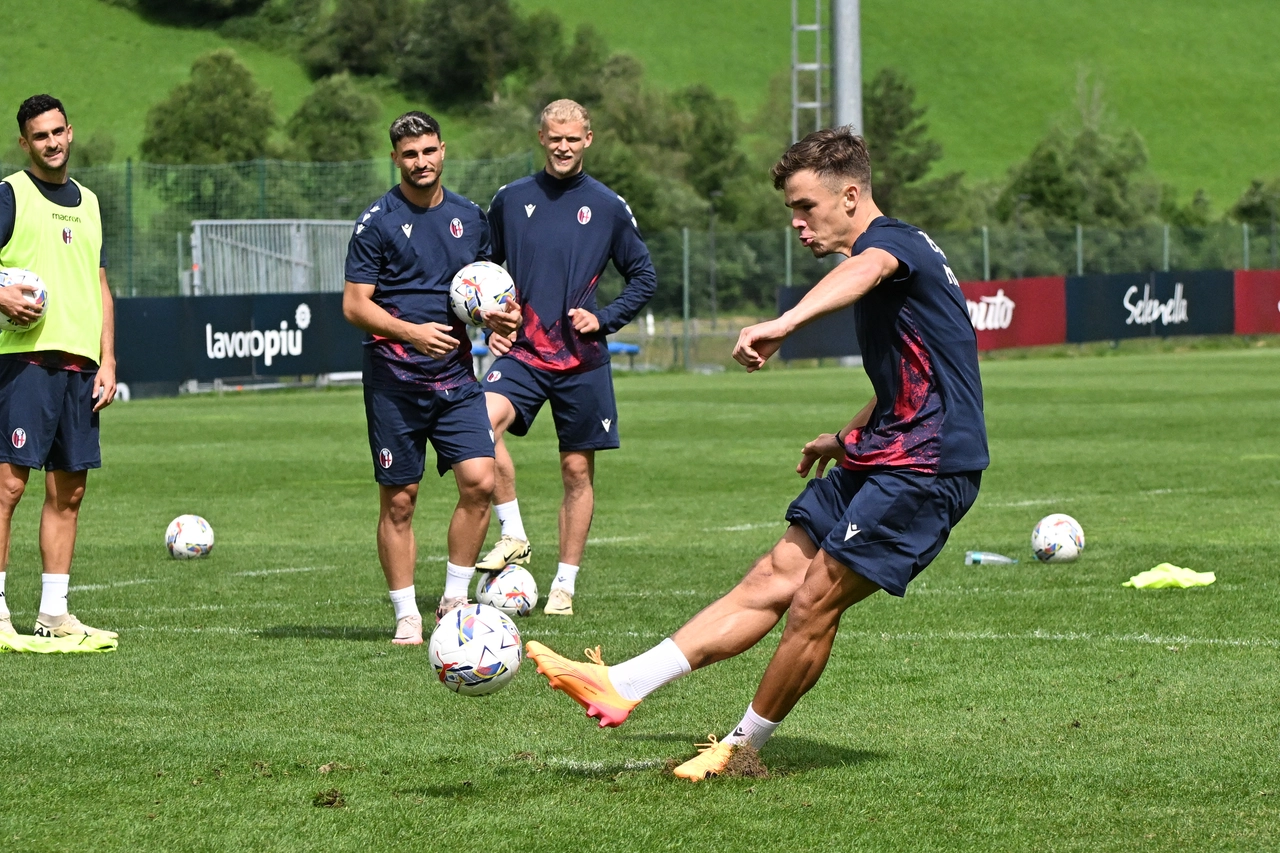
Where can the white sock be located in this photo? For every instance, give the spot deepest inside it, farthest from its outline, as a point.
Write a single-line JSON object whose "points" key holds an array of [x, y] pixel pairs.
{"points": [[405, 602], [509, 517], [754, 730], [566, 577], [456, 579], [645, 673], [4, 606], [53, 596]]}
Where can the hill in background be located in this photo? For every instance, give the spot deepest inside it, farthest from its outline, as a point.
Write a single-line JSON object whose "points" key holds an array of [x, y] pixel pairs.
{"points": [[1194, 78]]}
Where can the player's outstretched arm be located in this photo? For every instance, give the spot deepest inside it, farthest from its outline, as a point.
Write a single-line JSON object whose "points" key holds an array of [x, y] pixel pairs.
{"points": [[840, 288], [432, 339]]}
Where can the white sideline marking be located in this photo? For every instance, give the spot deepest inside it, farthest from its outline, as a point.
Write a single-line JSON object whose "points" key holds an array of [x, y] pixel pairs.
{"points": [[86, 587], [1077, 637], [609, 540], [1033, 502], [176, 629], [736, 528], [600, 766], [262, 573]]}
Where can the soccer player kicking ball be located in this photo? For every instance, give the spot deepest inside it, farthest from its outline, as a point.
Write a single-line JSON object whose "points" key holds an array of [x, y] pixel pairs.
{"points": [[908, 464], [57, 376], [419, 383], [556, 230]]}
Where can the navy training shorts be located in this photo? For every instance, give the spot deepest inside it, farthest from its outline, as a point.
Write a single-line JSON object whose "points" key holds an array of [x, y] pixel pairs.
{"points": [[47, 417], [402, 421], [886, 525], [582, 404]]}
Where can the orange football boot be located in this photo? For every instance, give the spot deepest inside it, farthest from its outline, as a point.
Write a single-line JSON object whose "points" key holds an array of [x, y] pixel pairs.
{"points": [[585, 683]]}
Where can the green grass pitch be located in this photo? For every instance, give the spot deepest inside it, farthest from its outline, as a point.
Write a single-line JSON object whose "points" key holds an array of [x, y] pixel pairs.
{"points": [[1024, 707]]}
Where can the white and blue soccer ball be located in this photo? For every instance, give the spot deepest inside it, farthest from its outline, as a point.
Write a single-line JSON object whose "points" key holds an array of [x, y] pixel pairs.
{"points": [[189, 537], [478, 287], [475, 650], [39, 298], [512, 590], [1057, 538]]}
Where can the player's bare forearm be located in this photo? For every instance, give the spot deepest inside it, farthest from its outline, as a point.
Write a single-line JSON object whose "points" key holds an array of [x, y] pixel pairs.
{"points": [[104, 383], [842, 287], [363, 313], [859, 420], [432, 339]]}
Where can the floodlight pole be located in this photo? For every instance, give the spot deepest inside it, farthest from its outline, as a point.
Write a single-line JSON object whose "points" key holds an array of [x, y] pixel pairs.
{"points": [[846, 63]]}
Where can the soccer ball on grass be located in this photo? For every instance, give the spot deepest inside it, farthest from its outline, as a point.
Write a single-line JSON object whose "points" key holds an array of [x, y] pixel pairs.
{"points": [[189, 537], [479, 287], [1057, 538], [475, 650], [39, 298], [512, 590]]}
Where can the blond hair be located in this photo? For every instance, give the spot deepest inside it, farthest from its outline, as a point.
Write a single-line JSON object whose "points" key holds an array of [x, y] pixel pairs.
{"points": [[565, 110]]}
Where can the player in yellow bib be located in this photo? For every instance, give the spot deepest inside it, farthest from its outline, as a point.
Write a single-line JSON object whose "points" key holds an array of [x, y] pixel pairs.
{"points": [[56, 376]]}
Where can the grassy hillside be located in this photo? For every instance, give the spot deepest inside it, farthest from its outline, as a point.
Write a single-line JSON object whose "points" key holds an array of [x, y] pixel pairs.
{"points": [[1190, 75], [109, 66], [1193, 77]]}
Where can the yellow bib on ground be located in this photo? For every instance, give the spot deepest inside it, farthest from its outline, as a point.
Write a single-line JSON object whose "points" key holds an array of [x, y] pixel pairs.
{"points": [[62, 245]]}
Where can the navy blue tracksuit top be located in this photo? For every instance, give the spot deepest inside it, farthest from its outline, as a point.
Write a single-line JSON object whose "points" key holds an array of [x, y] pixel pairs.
{"points": [[556, 237]]}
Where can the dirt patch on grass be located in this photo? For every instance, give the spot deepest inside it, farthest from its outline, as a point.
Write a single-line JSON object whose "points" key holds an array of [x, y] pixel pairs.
{"points": [[330, 799]]}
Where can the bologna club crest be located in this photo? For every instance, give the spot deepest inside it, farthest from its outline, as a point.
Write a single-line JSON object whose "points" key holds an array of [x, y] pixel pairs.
{"points": [[494, 376], [584, 215], [66, 236], [19, 437], [455, 228], [384, 458]]}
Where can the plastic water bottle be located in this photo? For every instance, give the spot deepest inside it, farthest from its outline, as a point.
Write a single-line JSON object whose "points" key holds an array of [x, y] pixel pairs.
{"points": [[975, 558]]}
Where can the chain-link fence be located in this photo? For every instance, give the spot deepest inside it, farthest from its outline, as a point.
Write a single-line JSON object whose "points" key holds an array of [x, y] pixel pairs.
{"points": [[147, 208], [148, 211]]}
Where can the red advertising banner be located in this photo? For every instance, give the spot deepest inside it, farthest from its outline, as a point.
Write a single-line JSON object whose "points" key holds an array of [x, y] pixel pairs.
{"points": [[1024, 312], [1257, 302]]}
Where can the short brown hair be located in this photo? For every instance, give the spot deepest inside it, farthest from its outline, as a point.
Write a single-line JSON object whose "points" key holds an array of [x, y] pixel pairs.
{"points": [[565, 110], [833, 154]]}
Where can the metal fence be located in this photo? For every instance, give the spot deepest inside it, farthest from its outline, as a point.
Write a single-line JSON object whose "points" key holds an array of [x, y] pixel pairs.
{"points": [[148, 209], [151, 211], [266, 256]]}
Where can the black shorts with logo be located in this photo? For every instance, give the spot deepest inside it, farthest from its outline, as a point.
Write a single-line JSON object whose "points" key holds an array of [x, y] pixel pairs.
{"points": [[47, 417], [582, 404], [887, 525], [402, 421]]}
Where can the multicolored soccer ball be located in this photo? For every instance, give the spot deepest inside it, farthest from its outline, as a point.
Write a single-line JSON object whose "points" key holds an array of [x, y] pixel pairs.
{"points": [[477, 287], [1058, 538], [40, 297], [189, 537], [475, 650], [512, 590]]}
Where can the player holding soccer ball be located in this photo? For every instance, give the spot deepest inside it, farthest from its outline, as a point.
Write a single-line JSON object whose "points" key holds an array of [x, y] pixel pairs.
{"points": [[58, 375], [907, 465], [556, 230], [419, 383]]}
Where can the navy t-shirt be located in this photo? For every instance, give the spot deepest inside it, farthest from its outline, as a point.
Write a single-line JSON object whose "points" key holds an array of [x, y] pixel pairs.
{"points": [[921, 353], [410, 255], [556, 237]]}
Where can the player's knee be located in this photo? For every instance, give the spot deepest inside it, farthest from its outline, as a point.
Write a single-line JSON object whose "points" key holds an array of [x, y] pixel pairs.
{"points": [[398, 506], [67, 500], [477, 488], [770, 584], [576, 473], [11, 490]]}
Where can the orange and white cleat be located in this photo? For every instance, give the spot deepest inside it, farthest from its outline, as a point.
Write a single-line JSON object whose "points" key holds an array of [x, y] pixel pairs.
{"points": [[585, 683], [711, 760]]}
